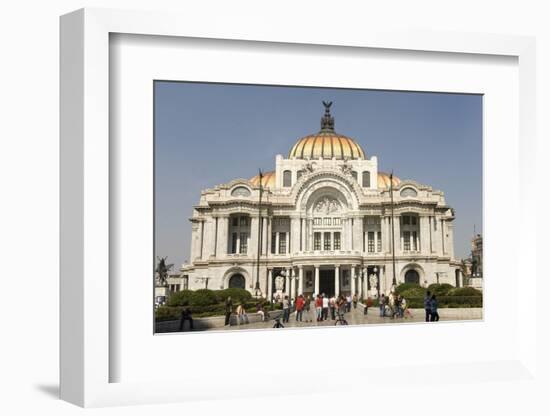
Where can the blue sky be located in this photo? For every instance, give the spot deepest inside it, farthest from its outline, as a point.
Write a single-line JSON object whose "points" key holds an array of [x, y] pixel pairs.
{"points": [[207, 134]]}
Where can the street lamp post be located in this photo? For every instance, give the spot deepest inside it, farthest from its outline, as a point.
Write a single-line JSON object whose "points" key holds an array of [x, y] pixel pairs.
{"points": [[394, 281], [257, 290]]}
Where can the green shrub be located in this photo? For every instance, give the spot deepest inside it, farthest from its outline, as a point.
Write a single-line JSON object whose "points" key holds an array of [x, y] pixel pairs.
{"points": [[182, 298], [415, 292], [203, 297], [167, 313], [406, 286], [465, 291], [440, 289], [237, 295]]}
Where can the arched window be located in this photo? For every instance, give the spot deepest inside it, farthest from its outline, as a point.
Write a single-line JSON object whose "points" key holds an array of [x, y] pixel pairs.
{"points": [[287, 178], [366, 179], [408, 192], [240, 191], [412, 277], [237, 281]]}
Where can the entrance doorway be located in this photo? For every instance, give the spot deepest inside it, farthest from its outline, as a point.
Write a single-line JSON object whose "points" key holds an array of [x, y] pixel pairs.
{"points": [[326, 282], [237, 281], [412, 277]]}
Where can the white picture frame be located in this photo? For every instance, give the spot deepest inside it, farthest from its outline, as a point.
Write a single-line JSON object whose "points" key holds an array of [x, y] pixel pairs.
{"points": [[87, 356]]}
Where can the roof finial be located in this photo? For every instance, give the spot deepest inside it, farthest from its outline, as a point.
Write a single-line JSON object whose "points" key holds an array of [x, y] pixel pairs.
{"points": [[327, 121]]}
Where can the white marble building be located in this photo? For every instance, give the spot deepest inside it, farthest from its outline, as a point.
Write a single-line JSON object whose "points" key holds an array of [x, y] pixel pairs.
{"points": [[324, 223]]}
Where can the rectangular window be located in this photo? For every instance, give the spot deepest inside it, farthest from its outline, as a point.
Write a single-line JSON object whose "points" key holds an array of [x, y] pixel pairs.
{"points": [[317, 221], [326, 221], [406, 220], [379, 241], [235, 221], [337, 244], [370, 240], [327, 245], [273, 242], [317, 241], [413, 220], [282, 243], [407, 240], [243, 247], [336, 221], [234, 243], [415, 242]]}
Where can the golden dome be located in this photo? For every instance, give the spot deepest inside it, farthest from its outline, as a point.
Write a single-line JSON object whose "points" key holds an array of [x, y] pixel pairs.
{"points": [[326, 144], [268, 180], [384, 180]]}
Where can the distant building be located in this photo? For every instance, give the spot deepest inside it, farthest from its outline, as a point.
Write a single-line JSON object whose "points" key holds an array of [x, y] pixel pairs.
{"points": [[324, 225]]}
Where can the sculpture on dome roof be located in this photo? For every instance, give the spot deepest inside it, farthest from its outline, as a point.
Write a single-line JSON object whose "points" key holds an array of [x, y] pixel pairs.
{"points": [[327, 121]]}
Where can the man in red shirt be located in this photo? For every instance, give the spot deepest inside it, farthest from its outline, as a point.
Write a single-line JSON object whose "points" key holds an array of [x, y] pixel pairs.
{"points": [[300, 303]]}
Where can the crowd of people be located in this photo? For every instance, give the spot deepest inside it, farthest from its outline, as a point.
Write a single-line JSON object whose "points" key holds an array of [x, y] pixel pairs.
{"points": [[322, 307]]}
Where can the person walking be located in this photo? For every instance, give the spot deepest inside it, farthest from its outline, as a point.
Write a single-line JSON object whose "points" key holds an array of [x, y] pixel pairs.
{"points": [[348, 303], [332, 307], [186, 316], [286, 309], [307, 308], [354, 300], [228, 309], [318, 307], [427, 307], [391, 303], [398, 306], [299, 308], [434, 315], [325, 307], [382, 305]]}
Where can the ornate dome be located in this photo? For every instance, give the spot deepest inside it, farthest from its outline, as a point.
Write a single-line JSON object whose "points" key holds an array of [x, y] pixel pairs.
{"points": [[268, 180], [327, 143], [384, 180]]}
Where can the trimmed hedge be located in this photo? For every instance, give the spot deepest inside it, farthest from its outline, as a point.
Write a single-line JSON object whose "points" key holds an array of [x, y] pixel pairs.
{"points": [[237, 295], [181, 298], [442, 289], [465, 291], [407, 286]]}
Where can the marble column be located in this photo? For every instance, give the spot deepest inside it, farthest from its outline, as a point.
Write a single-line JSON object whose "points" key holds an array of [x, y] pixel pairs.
{"points": [[269, 284], [252, 249], [269, 235], [295, 235], [265, 246], [360, 285], [300, 280], [353, 277], [222, 239], [424, 235], [358, 233], [316, 279], [293, 284], [336, 280], [287, 283]]}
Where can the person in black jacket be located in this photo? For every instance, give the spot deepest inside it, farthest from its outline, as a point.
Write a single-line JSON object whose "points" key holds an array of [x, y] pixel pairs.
{"points": [[186, 316], [228, 309], [427, 306]]}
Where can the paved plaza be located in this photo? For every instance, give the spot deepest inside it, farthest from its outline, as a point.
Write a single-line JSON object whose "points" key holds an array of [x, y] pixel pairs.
{"points": [[355, 317]]}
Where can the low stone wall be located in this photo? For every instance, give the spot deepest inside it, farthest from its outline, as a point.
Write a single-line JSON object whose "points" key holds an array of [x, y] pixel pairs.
{"points": [[447, 313], [211, 322]]}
